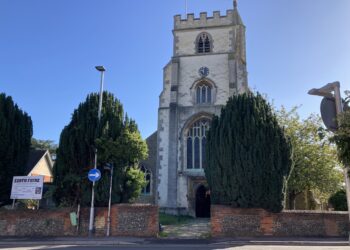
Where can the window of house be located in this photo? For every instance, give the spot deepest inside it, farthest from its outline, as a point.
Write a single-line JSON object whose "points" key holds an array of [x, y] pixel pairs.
{"points": [[148, 177], [196, 143], [203, 43], [203, 93]]}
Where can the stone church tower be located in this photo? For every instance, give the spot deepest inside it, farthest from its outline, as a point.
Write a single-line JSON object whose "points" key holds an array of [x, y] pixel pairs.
{"points": [[207, 67]]}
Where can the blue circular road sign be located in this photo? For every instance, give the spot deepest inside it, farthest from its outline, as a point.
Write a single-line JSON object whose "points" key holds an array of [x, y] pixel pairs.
{"points": [[94, 175]]}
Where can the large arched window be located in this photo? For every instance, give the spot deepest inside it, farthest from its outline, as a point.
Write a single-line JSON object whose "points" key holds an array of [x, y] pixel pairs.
{"points": [[203, 93], [195, 144], [148, 178], [203, 43]]}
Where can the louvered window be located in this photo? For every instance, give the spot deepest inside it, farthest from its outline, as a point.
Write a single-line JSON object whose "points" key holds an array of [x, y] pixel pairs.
{"points": [[204, 43]]}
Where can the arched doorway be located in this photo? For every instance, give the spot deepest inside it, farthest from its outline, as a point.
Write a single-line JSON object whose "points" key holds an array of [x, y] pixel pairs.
{"points": [[202, 202]]}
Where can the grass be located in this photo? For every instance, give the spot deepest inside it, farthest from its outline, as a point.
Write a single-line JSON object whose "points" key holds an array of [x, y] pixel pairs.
{"points": [[166, 219], [163, 235]]}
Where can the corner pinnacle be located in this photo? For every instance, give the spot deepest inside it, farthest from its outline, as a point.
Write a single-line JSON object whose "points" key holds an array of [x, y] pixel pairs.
{"points": [[234, 4]]}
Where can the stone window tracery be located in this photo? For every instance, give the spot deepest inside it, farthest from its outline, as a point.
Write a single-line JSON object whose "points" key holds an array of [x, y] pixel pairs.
{"points": [[203, 43], [203, 93], [148, 178], [196, 144]]}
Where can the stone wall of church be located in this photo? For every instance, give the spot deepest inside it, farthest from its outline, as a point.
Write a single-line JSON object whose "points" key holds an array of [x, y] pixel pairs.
{"points": [[218, 75], [185, 41], [163, 139], [187, 115], [192, 22], [150, 164], [163, 155]]}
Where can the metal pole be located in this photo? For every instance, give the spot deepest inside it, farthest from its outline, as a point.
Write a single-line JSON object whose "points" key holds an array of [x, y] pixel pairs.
{"points": [[337, 96], [91, 221], [109, 203], [13, 203], [326, 91], [78, 218], [339, 107], [100, 99]]}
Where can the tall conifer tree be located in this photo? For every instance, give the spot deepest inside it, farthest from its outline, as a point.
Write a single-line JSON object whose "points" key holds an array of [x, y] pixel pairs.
{"points": [[15, 134], [248, 155], [118, 141]]}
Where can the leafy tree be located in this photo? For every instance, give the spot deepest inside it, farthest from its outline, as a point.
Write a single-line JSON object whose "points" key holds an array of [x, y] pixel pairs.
{"points": [[338, 201], [342, 135], [248, 156], [315, 165], [15, 133], [117, 140], [44, 145]]}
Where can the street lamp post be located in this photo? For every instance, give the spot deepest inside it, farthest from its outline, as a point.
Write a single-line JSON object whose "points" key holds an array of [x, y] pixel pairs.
{"points": [[91, 221], [326, 91], [109, 167]]}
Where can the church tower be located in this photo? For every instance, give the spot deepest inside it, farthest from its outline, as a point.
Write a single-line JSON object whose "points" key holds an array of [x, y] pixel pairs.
{"points": [[207, 67]]}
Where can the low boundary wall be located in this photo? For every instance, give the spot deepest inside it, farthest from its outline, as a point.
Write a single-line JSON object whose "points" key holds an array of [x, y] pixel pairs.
{"points": [[126, 220], [235, 222]]}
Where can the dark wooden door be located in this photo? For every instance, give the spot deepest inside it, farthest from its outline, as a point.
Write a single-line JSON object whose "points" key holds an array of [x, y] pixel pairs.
{"points": [[202, 202]]}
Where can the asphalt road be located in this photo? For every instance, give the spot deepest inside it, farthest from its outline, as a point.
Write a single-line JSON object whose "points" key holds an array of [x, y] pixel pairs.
{"points": [[176, 247]]}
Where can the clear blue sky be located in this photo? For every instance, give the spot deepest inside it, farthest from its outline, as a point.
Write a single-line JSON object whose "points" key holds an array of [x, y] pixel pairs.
{"points": [[48, 50]]}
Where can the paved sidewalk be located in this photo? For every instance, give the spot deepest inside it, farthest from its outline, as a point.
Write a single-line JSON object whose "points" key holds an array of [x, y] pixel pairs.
{"points": [[192, 229], [104, 241]]}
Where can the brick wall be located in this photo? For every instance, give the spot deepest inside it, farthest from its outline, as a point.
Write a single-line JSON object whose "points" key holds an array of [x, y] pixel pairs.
{"points": [[35, 223], [135, 220], [234, 222], [126, 220]]}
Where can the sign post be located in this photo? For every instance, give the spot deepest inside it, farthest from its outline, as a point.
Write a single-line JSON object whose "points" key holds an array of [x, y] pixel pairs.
{"points": [[91, 220], [94, 175], [326, 91]]}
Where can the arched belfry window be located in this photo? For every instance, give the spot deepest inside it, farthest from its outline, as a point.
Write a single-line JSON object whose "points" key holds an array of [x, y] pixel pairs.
{"points": [[203, 93], [203, 43], [148, 178], [195, 144]]}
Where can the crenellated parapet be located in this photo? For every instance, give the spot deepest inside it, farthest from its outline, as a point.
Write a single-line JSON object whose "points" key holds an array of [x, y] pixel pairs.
{"points": [[204, 20]]}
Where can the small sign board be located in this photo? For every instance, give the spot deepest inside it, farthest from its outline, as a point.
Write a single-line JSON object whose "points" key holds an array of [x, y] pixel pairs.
{"points": [[94, 174], [27, 187]]}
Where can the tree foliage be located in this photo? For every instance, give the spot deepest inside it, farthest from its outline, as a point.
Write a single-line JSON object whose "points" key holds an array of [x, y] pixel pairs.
{"points": [[44, 145], [342, 135], [315, 163], [338, 200], [117, 140], [248, 156], [15, 134]]}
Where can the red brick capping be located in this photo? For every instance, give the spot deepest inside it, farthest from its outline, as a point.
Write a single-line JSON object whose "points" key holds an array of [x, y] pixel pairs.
{"points": [[126, 220], [238, 222]]}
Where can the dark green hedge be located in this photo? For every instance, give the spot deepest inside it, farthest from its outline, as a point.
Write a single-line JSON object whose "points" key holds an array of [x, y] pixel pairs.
{"points": [[248, 155]]}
